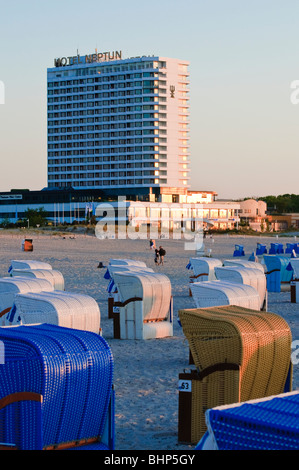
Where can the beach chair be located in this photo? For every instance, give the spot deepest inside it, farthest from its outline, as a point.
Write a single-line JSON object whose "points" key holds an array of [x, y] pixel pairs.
{"points": [[53, 276], [293, 267], [56, 390], [245, 263], [261, 249], [277, 272], [203, 268], [218, 293], [252, 277], [11, 286], [145, 306], [253, 258], [65, 309], [113, 295], [239, 250], [127, 262], [290, 247], [239, 354], [276, 249], [270, 423], [28, 264]]}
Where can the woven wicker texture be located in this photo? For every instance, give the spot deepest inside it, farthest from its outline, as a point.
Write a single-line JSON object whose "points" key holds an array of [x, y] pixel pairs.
{"points": [[125, 267], [244, 263], [11, 286], [259, 342], [23, 285], [204, 268], [127, 262], [72, 370], [294, 266], [153, 288], [240, 274], [29, 264], [268, 424], [218, 293], [280, 263], [51, 275], [218, 387], [66, 309]]}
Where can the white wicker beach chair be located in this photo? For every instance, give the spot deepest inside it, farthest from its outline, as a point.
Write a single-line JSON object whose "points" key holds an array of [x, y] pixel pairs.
{"points": [[65, 309], [220, 293], [28, 264], [203, 268], [145, 307], [112, 289], [252, 277], [125, 268], [246, 264], [53, 276], [128, 262], [294, 262], [11, 286]]}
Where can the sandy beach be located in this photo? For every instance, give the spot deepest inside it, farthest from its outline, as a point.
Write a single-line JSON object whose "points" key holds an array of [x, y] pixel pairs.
{"points": [[145, 372]]}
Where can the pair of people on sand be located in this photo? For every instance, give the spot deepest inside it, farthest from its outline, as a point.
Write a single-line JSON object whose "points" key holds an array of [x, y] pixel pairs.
{"points": [[159, 255]]}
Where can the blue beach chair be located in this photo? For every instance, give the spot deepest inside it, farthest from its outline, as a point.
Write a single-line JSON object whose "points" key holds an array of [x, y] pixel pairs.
{"points": [[277, 272], [56, 389], [260, 249], [239, 250], [290, 247], [271, 423], [276, 249]]}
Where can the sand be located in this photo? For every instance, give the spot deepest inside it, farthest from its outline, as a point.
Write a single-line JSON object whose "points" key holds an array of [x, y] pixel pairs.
{"points": [[146, 372]]}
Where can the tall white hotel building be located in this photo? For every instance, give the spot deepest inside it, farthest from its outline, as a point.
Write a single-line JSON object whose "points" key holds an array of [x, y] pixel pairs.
{"points": [[121, 125]]}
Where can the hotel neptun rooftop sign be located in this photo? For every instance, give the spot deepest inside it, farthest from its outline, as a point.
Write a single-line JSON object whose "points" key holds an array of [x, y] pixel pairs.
{"points": [[88, 58]]}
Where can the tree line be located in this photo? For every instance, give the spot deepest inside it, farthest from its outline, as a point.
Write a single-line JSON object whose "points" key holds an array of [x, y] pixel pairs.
{"points": [[282, 204]]}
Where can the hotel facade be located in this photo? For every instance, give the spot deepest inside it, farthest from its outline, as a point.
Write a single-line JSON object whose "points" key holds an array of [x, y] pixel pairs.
{"points": [[118, 124]]}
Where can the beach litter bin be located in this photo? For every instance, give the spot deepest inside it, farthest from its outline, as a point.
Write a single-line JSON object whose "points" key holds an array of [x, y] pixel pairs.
{"points": [[27, 245]]}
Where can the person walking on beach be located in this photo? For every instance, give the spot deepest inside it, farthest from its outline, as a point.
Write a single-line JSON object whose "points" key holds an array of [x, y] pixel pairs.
{"points": [[152, 244], [156, 256], [162, 253]]}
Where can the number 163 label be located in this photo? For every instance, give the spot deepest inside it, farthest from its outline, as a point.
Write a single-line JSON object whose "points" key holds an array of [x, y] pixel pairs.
{"points": [[185, 385]]}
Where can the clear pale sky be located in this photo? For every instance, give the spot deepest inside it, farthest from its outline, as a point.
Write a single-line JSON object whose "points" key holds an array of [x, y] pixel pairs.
{"points": [[243, 58]]}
